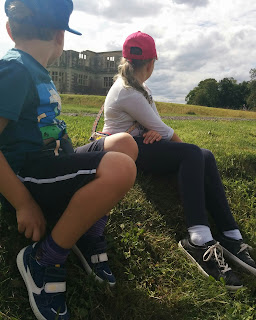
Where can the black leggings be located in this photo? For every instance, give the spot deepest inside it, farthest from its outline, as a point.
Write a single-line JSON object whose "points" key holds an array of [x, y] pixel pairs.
{"points": [[200, 185]]}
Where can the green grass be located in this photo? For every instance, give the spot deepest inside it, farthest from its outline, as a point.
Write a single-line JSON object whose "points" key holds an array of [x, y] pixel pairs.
{"points": [[186, 109], [92, 104], [154, 280]]}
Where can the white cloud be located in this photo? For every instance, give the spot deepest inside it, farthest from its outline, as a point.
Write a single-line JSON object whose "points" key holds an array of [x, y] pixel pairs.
{"points": [[193, 3], [195, 39], [121, 11]]}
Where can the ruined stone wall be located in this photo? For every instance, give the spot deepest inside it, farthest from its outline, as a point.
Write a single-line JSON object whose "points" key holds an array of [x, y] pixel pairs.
{"points": [[85, 72]]}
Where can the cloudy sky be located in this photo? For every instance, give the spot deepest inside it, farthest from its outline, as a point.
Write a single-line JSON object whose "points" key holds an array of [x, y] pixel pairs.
{"points": [[195, 39]]}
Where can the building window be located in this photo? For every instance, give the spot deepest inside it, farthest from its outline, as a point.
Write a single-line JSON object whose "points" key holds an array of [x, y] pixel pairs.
{"points": [[80, 79], [110, 62], [108, 81], [55, 76], [82, 56], [61, 77], [85, 80]]}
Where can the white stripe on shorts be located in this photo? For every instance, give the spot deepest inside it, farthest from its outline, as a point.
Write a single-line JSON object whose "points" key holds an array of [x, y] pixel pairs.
{"points": [[56, 179]]}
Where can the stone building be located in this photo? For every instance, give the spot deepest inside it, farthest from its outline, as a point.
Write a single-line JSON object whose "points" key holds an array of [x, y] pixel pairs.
{"points": [[85, 72]]}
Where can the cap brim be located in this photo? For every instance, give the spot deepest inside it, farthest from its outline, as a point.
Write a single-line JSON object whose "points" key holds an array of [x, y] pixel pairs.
{"points": [[74, 31]]}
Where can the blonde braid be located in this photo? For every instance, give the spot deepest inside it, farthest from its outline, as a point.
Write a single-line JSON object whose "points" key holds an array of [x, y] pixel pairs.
{"points": [[126, 70]]}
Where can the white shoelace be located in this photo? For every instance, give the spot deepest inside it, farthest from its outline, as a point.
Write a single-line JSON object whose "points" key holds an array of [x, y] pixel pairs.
{"points": [[243, 247], [217, 252]]}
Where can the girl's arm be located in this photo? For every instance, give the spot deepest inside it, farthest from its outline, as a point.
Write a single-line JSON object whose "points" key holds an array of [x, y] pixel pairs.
{"points": [[140, 110]]}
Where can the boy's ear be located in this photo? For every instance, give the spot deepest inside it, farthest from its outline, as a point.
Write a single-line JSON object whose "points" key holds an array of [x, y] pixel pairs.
{"points": [[59, 37], [9, 30]]}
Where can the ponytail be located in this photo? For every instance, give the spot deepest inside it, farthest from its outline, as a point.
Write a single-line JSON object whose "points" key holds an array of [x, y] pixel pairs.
{"points": [[126, 71]]}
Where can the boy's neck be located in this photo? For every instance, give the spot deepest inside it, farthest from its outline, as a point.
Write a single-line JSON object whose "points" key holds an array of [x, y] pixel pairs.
{"points": [[42, 51]]}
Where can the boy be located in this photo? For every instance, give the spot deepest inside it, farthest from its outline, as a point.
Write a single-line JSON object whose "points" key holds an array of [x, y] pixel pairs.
{"points": [[33, 178]]}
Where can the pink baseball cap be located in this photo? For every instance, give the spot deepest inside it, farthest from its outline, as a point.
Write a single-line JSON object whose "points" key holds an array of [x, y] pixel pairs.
{"points": [[139, 46]]}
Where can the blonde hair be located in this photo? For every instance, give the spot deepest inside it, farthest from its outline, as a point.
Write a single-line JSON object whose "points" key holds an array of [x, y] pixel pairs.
{"points": [[17, 11], [126, 70]]}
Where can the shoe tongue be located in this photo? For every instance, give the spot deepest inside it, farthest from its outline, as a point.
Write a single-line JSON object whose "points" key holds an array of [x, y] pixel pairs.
{"points": [[210, 243]]}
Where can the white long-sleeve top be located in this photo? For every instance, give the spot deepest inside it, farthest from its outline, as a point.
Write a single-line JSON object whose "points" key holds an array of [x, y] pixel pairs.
{"points": [[123, 106]]}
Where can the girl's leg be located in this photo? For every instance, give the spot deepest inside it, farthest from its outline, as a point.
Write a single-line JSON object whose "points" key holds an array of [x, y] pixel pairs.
{"points": [[122, 142], [188, 161], [185, 159], [119, 142], [230, 237], [216, 201]]}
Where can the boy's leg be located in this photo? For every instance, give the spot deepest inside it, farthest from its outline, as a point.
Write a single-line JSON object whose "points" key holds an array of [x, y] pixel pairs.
{"points": [[115, 174], [93, 242]]}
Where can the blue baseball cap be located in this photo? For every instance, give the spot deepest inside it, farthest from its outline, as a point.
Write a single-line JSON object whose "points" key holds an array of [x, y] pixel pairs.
{"points": [[52, 14]]}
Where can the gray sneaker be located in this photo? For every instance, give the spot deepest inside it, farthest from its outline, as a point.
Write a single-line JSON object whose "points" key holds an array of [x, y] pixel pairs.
{"points": [[210, 261]]}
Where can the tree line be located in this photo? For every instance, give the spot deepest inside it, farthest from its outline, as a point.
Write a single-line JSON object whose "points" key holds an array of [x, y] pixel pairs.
{"points": [[226, 93]]}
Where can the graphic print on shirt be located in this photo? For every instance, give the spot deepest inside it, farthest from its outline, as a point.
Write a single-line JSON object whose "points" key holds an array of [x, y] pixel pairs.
{"points": [[48, 111]]}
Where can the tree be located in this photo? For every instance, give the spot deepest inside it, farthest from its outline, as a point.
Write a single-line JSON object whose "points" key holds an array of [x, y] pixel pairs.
{"points": [[251, 99], [253, 74], [205, 94], [226, 93], [244, 92]]}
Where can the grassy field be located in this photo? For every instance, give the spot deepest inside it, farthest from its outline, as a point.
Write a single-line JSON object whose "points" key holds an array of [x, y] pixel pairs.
{"points": [[92, 104], [154, 279]]}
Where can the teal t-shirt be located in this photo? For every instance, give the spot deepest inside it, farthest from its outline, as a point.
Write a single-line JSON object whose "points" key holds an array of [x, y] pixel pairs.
{"points": [[26, 91]]}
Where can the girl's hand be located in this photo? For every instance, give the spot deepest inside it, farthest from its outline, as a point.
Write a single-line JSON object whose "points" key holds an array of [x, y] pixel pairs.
{"points": [[151, 136]]}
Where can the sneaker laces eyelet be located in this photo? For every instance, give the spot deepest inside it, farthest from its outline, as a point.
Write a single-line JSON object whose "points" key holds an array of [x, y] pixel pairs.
{"points": [[243, 247], [216, 252]]}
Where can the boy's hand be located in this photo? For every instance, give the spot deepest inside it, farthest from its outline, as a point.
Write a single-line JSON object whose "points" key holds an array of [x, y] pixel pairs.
{"points": [[151, 136], [31, 221]]}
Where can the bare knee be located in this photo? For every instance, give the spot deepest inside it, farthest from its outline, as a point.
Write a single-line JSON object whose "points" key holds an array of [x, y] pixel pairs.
{"points": [[117, 169], [122, 142]]}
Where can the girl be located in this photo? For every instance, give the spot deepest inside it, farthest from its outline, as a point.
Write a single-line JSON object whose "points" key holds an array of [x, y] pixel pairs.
{"points": [[129, 102]]}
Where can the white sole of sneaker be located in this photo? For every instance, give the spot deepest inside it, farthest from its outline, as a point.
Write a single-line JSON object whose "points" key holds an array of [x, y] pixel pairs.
{"points": [[239, 262], [231, 288], [29, 284], [87, 268]]}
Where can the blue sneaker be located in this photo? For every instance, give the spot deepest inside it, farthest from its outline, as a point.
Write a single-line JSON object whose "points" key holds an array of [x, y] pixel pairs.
{"points": [[92, 253], [46, 286]]}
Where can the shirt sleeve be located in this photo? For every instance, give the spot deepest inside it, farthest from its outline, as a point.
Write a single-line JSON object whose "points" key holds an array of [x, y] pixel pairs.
{"points": [[137, 106], [14, 87]]}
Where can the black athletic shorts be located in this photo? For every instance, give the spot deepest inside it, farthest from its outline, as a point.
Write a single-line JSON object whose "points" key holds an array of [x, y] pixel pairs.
{"points": [[53, 180]]}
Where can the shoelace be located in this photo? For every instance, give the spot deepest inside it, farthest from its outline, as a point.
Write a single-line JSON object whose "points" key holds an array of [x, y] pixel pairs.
{"points": [[216, 252], [244, 246]]}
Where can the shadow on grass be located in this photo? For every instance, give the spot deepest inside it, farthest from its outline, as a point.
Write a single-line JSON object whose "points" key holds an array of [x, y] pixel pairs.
{"points": [[86, 299], [154, 282], [162, 192]]}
